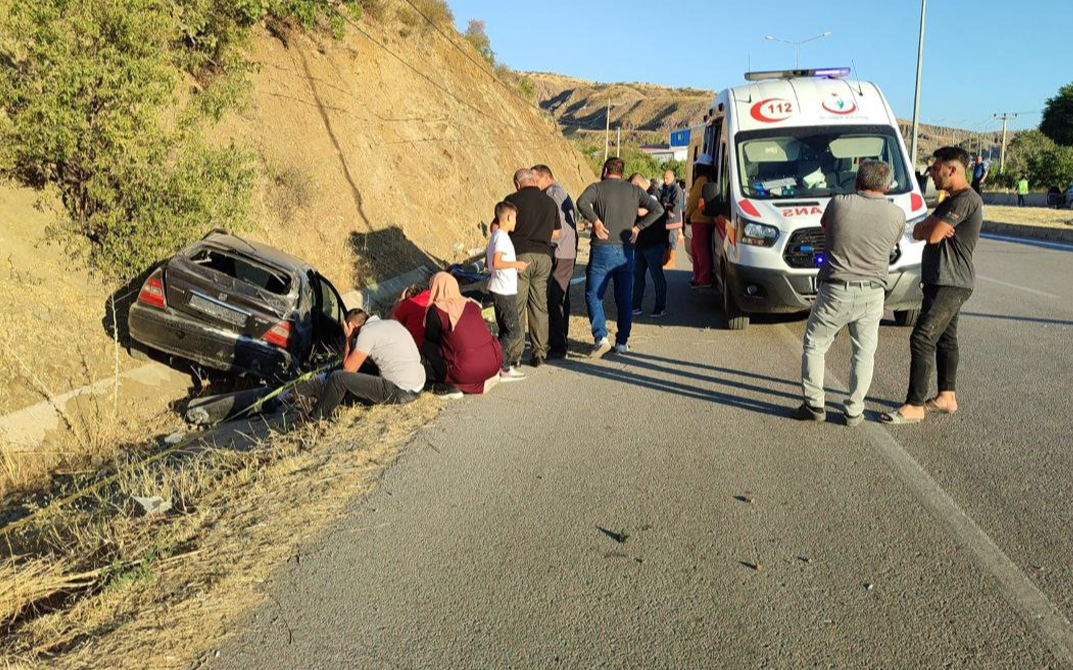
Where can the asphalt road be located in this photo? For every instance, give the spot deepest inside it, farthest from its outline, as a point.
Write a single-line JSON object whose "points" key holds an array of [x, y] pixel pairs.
{"points": [[658, 510]]}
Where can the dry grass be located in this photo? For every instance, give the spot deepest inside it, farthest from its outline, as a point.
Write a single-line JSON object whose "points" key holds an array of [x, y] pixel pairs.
{"points": [[101, 581], [1030, 216]]}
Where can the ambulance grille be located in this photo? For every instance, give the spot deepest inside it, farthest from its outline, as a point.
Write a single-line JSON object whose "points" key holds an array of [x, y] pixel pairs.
{"points": [[804, 248]]}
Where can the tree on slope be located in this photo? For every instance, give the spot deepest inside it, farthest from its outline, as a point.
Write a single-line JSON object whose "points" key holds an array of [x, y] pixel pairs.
{"points": [[1057, 121]]}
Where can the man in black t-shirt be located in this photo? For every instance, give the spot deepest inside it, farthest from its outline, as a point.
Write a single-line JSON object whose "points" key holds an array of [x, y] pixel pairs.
{"points": [[538, 224], [947, 273]]}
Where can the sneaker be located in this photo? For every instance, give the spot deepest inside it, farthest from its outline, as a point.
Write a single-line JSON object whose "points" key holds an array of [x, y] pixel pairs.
{"points": [[511, 375], [446, 391], [622, 349], [637, 311], [660, 314], [807, 413], [602, 346], [556, 354], [536, 361], [853, 421]]}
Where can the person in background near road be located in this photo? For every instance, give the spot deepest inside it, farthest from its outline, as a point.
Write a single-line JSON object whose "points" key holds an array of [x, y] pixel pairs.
{"points": [[538, 224], [611, 206], [648, 256], [703, 227], [1022, 190], [503, 285], [562, 268], [859, 232], [457, 341], [979, 175], [389, 346], [946, 268], [410, 311], [655, 187], [671, 197]]}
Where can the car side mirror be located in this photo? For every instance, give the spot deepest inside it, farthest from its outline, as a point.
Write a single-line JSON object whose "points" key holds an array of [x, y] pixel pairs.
{"points": [[712, 200]]}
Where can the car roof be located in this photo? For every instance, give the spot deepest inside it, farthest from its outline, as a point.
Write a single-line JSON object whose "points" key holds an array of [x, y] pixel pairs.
{"points": [[258, 250]]}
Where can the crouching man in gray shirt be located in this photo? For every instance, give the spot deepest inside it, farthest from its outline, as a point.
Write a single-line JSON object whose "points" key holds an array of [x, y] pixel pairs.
{"points": [[860, 231]]}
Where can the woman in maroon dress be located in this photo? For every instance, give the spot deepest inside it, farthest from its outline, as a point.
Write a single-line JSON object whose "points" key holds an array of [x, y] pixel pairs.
{"points": [[458, 346]]}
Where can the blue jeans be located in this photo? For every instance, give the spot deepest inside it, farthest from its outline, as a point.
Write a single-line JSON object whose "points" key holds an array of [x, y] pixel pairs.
{"points": [[650, 260], [607, 263]]}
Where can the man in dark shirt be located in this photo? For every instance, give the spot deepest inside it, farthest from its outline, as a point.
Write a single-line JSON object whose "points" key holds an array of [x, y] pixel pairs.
{"points": [[979, 174], [562, 268], [952, 232], [538, 224], [648, 256], [611, 206]]}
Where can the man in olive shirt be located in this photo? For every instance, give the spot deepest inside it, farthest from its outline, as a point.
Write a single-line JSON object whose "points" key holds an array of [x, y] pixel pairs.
{"points": [[947, 272], [860, 230], [538, 224], [562, 268]]}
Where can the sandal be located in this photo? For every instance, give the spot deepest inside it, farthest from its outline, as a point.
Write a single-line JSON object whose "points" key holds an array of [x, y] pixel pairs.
{"points": [[896, 417], [930, 406]]}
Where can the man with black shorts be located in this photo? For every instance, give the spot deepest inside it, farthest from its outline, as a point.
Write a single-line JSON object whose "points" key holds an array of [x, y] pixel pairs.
{"points": [[952, 232]]}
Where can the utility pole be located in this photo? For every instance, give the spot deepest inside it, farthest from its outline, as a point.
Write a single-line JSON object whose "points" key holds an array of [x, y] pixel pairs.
{"points": [[916, 94], [618, 142], [607, 130], [1002, 159]]}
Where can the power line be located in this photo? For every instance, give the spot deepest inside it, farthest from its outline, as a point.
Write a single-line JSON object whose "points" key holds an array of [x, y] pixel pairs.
{"points": [[428, 78], [469, 56]]}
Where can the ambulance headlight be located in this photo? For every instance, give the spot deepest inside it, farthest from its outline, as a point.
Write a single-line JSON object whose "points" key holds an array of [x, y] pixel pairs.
{"points": [[758, 234]]}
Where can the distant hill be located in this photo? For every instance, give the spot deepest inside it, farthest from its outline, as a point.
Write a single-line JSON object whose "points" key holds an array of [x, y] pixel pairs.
{"points": [[647, 113]]}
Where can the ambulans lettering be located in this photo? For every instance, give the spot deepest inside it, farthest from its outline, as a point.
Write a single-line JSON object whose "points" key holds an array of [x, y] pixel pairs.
{"points": [[801, 211]]}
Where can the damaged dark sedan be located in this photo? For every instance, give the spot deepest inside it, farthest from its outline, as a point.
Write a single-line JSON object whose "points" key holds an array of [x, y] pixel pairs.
{"points": [[238, 306]]}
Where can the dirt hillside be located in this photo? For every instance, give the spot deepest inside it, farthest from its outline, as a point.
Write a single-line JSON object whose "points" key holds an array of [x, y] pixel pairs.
{"points": [[375, 159], [647, 112], [378, 156]]}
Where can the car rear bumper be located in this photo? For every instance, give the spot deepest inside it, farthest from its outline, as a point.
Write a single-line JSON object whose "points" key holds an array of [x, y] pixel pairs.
{"points": [[767, 291], [159, 329]]}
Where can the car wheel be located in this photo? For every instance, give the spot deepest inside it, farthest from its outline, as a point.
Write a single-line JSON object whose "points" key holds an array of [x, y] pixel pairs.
{"points": [[907, 317], [735, 317]]}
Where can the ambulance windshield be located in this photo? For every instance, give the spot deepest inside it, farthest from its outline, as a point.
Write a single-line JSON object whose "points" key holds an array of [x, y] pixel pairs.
{"points": [[815, 161]]}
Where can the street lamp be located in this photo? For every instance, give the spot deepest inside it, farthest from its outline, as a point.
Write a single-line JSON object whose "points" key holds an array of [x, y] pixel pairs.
{"points": [[916, 93], [796, 45]]}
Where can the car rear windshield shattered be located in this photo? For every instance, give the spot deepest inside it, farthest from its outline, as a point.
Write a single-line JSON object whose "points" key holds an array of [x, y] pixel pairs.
{"points": [[242, 270]]}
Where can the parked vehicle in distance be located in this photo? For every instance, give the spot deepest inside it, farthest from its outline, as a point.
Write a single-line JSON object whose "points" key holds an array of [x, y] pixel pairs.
{"points": [[783, 145], [239, 306]]}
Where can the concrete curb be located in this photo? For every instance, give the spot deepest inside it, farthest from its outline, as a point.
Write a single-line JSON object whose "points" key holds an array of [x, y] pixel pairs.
{"points": [[368, 297], [1030, 232]]}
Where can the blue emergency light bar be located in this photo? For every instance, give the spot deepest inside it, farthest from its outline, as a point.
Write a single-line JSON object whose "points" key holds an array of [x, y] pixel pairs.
{"points": [[827, 72]]}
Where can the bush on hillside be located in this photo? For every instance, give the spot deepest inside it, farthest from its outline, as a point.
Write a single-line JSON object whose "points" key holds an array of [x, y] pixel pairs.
{"points": [[90, 96], [477, 35], [87, 88]]}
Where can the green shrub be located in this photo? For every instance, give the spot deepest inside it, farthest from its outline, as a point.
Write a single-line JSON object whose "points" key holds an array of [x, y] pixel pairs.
{"points": [[88, 92], [436, 11]]}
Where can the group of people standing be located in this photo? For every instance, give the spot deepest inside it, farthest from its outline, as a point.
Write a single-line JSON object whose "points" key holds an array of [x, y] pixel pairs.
{"points": [[859, 231], [436, 339]]}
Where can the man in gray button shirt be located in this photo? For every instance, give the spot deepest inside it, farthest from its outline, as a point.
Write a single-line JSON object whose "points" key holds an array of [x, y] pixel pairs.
{"points": [[860, 231], [562, 268]]}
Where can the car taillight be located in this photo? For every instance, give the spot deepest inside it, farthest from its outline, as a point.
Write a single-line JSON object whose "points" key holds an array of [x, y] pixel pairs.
{"points": [[915, 203], [152, 292], [279, 334]]}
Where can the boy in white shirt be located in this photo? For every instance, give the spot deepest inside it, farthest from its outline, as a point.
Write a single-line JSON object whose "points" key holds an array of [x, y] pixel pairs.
{"points": [[503, 285]]}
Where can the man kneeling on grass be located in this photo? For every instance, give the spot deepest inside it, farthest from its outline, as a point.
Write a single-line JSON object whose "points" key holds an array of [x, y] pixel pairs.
{"points": [[389, 346]]}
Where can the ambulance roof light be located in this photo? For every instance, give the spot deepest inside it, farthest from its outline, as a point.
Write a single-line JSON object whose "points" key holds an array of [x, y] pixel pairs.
{"points": [[826, 72]]}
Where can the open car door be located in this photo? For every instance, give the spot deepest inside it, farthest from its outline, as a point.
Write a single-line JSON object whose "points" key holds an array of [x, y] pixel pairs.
{"points": [[328, 313]]}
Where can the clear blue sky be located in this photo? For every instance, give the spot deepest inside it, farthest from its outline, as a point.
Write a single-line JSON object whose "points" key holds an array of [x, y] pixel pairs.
{"points": [[980, 56]]}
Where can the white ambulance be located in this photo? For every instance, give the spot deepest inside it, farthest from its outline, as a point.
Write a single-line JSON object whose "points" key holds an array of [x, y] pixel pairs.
{"points": [[782, 146]]}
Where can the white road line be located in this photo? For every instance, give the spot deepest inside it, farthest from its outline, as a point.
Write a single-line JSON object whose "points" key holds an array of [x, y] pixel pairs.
{"points": [[1028, 241], [1033, 605], [1019, 288]]}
